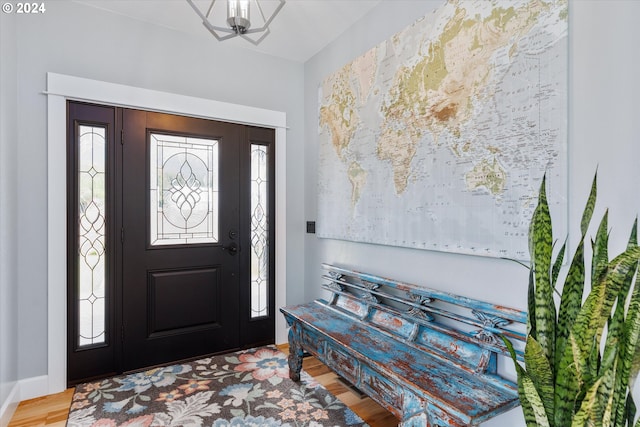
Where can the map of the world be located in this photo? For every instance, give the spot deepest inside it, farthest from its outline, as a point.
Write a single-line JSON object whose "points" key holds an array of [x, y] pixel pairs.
{"points": [[439, 137]]}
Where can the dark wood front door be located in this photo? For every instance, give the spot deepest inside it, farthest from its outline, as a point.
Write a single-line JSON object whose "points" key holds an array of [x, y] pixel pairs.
{"points": [[170, 239], [180, 230]]}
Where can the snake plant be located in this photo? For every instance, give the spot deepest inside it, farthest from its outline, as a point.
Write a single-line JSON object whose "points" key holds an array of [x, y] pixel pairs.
{"points": [[582, 356]]}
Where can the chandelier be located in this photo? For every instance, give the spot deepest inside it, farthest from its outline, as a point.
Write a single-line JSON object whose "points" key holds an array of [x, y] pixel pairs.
{"points": [[242, 18]]}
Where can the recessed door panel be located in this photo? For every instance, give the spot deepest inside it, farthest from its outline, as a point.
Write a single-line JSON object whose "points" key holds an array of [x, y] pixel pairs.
{"points": [[183, 301]]}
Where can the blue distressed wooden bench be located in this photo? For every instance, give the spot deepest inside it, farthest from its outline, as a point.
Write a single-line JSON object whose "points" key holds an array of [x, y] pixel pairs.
{"points": [[429, 357]]}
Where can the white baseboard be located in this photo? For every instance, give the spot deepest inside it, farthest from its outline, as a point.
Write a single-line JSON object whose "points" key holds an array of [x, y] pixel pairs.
{"points": [[26, 389], [8, 407], [33, 387]]}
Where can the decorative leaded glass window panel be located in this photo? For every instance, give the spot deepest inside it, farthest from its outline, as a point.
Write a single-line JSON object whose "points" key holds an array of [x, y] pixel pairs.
{"points": [[91, 234], [259, 231], [183, 190]]}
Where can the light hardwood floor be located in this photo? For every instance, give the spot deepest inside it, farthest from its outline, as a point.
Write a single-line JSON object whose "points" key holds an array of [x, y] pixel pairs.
{"points": [[52, 410]]}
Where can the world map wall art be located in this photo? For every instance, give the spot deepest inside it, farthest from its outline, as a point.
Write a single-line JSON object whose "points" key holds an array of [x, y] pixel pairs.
{"points": [[439, 137]]}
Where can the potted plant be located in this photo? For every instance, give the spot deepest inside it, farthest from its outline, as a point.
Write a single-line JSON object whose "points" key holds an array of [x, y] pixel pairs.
{"points": [[581, 358]]}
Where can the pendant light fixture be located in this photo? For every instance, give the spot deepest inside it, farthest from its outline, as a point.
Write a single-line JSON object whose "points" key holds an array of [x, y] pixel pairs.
{"points": [[244, 18]]}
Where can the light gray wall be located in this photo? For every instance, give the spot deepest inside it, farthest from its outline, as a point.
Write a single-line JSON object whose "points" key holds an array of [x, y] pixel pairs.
{"points": [[8, 202], [604, 133], [74, 39]]}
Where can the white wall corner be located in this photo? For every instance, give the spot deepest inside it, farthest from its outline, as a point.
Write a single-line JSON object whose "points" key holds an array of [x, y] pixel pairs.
{"points": [[28, 388], [8, 407]]}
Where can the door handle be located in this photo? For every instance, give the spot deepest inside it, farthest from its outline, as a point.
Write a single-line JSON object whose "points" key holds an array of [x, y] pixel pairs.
{"points": [[232, 248]]}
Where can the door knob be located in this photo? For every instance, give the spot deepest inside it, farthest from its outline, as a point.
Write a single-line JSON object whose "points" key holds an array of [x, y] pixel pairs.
{"points": [[232, 248]]}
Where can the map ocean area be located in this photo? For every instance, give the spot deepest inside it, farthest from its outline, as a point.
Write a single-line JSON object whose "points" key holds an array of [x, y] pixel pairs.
{"points": [[439, 137]]}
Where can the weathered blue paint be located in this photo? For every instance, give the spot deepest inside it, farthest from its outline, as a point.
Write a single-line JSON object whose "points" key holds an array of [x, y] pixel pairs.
{"points": [[427, 356]]}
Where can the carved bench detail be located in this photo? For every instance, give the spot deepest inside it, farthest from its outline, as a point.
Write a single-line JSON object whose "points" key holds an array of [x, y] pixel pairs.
{"points": [[429, 357]]}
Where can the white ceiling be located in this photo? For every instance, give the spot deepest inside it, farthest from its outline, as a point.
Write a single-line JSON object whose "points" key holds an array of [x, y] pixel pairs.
{"points": [[299, 31]]}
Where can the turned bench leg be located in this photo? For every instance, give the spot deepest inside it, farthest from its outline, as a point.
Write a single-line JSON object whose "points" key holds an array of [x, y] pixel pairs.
{"points": [[295, 354]]}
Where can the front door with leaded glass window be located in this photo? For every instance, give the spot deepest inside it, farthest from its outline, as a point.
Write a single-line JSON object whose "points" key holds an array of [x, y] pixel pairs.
{"points": [[170, 239], [181, 204]]}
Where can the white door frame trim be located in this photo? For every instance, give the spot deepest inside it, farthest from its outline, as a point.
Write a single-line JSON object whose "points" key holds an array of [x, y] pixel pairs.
{"points": [[61, 88]]}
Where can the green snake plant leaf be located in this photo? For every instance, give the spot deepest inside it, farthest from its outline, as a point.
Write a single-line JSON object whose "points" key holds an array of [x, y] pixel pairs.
{"points": [[600, 249], [590, 380], [600, 301], [537, 417], [569, 382], [628, 346], [633, 239], [557, 265], [608, 415], [587, 213], [606, 392], [595, 311], [628, 281], [630, 332], [635, 359], [539, 370], [532, 406], [573, 289], [540, 247], [630, 411], [613, 353], [571, 300], [615, 330], [531, 304], [592, 365], [587, 408]]}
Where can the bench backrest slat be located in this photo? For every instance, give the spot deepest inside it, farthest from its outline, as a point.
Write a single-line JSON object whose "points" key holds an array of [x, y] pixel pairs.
{"points": [[461, 330]]}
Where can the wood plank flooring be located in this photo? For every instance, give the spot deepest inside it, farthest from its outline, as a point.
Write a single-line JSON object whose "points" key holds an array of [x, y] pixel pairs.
{"points": [[52, 410], [49, 410], [372, 413]]}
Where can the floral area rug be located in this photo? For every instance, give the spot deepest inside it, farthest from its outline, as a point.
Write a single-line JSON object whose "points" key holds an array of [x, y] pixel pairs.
{"points": [[246, 388]]}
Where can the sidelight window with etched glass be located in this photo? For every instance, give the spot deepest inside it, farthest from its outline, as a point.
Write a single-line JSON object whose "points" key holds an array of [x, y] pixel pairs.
{"points": [[259, 231], [91, 234]]}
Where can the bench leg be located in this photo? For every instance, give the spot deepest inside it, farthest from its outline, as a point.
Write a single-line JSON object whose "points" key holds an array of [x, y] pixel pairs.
{"points": [[295, 355]]}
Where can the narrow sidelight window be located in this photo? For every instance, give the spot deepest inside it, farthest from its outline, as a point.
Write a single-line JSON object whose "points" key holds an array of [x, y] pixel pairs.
{"points": [[259, 231], [91, 234]]}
